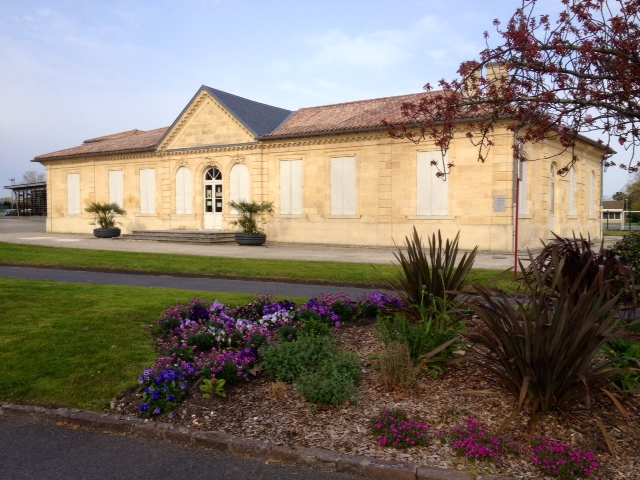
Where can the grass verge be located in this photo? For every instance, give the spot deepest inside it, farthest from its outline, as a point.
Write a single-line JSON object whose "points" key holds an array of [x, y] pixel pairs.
{"points": [[80, 345], [340, 273]]}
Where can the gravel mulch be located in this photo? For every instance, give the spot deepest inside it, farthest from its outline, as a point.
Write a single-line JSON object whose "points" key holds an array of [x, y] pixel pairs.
{"points": [[274, 412]]}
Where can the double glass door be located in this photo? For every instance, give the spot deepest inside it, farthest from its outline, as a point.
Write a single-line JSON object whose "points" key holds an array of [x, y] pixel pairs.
{"points": [[213, 199]]}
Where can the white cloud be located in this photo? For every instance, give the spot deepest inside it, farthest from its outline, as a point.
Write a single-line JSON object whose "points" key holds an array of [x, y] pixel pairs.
{"points": [[381, 49]]}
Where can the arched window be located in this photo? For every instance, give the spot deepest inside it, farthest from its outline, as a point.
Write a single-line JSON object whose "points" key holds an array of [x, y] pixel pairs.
{"points": [[184, 191], [522, 200], [572, 191], [552, 190], [592, 194]]}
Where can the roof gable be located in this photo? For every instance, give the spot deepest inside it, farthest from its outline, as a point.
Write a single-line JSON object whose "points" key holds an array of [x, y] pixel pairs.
{"points": [[214, 118]]}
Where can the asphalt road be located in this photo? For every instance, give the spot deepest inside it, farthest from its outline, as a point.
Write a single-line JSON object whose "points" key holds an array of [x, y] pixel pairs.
{"points": [[207, 284], [39, 449]]}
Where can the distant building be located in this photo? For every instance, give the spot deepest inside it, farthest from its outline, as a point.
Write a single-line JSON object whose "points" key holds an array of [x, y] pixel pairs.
{"points": [[612, 212], [333, 173], [29, 199]]}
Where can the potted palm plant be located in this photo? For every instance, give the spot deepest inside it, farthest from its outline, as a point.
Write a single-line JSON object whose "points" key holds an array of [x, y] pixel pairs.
{"points": [[104, 215], [251, 221]]}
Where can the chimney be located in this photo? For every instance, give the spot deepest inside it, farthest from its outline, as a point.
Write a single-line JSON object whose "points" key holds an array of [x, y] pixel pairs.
{"points": [[497, 74]]}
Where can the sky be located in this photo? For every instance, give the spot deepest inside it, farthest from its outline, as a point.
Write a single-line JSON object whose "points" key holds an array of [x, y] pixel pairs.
{"points": [[73, 70]]}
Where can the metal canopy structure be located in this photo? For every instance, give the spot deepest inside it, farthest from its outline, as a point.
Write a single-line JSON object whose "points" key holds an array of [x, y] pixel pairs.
{"points": [[29, 199]]}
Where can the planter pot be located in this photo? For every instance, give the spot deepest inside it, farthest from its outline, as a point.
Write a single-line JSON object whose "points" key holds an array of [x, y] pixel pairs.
{"points": [[106, 232], [246, 239]]}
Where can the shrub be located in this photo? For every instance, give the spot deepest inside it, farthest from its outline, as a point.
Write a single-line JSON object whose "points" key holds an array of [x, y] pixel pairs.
{"points": [[544, 349], [314, 328], [624, 353], [290, 360], [559, 460], [430, 341], [333, 382], [392, 428], [436, 273], [629, 249]]}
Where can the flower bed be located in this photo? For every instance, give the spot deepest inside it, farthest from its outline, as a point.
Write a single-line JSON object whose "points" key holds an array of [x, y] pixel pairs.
{"points": [[209, 340]]}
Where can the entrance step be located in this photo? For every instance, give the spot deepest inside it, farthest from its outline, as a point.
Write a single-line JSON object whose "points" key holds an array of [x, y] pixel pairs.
{"points": [[181, 236]]}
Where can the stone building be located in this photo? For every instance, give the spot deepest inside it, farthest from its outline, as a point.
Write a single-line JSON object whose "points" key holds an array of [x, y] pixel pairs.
{"points": [[334, 174]]}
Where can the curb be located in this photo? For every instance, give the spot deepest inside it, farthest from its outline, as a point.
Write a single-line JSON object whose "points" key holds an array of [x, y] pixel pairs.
{"points": [[314, 458]]}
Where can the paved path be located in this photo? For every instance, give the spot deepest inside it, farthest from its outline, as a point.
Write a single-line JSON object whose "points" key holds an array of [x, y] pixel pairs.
{"points": [[35, 448], [252, 287], [29, 232]]}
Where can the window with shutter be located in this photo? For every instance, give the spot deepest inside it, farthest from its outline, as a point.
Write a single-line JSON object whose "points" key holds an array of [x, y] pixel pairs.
{"points": [[116, 187], [432, 196], [73, 193], [291, 187], [148, 191], [343, 186], [239, 183], [184, 191]]}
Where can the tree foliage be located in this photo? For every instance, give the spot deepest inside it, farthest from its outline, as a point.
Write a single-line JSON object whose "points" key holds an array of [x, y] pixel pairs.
{"points": [[33, 176], [631, 192], [575, 74]]}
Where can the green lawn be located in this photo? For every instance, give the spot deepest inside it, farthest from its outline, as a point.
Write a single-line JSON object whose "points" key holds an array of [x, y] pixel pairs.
{"points": [[340, 273], [80, 345]]}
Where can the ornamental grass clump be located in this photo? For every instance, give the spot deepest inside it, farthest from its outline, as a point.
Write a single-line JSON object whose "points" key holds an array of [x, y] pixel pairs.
{"points": [[436, 272], [583, 265], [544, 349], [392, 428], [559, 460], [474, 442]]}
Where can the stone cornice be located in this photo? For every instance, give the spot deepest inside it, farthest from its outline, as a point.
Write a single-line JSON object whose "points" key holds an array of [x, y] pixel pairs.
{"points": [[328, 139], [116, 157]]}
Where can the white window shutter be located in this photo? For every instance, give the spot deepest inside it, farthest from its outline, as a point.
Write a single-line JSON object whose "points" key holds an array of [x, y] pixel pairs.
{"points": [[187, 188], [148, 191], [572, 191], [343, 186], [336, 186], [440, 193], [285, 187], [116, 187], [432, 195], [73, 193], [296, 187], [180, 200], [349, 186], [239, 183], [423, 190]]}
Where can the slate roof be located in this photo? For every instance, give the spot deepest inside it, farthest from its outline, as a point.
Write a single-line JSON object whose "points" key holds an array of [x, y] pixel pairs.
{"points": [[125, 142], [360, 115], [259, 118]]}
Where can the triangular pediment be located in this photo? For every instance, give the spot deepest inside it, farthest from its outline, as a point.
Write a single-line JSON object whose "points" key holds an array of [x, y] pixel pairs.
{"points": [[204, 123], [215, 118]]}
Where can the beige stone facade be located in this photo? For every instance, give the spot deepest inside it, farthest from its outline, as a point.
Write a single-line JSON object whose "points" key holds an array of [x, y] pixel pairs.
{"points": [[341, 183]]}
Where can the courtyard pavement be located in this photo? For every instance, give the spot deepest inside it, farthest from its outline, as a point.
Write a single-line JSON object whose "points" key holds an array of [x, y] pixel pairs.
{"points": [[32, 232]]}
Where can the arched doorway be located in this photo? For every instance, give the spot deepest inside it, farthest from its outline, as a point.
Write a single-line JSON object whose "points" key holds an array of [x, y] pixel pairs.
{"points": [[213, 199]]}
